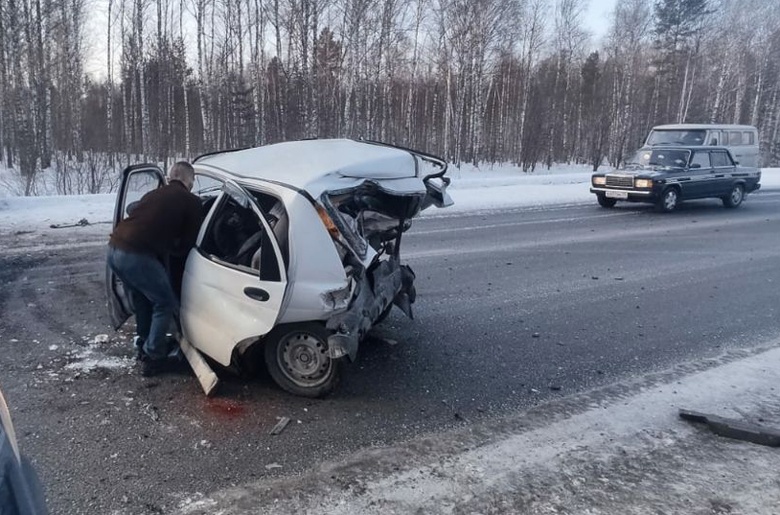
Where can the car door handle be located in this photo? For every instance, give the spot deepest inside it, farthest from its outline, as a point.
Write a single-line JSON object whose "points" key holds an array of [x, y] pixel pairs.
{"points": [[256, 293]]}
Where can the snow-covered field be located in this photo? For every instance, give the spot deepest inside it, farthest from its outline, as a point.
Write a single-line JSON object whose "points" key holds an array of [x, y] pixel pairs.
{"points": [[473, 188]]}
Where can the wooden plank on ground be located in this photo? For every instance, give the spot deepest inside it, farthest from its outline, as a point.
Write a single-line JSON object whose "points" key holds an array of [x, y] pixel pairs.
{"points": [[208, 379]]}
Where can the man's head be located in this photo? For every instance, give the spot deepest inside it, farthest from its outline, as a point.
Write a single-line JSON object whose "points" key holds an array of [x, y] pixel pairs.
{"points": [[184, 173]]}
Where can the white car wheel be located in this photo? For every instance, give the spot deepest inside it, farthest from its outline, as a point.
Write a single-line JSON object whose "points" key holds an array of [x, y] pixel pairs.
{"points": [[299, 361]]}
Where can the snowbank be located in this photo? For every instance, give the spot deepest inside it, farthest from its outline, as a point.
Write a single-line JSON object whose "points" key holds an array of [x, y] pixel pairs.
{"points": [[505, 186], [36, 213]]}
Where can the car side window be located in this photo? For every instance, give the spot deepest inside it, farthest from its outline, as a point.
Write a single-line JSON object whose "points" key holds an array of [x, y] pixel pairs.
{"points": [[207, 188], [277, 218], [205, 185], [139, 183], [235, 236], [702, 159], [721, 159]]}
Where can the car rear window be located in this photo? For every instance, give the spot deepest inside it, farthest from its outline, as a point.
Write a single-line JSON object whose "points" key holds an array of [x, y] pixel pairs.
{"points": [[702, 159], [721, 159]]}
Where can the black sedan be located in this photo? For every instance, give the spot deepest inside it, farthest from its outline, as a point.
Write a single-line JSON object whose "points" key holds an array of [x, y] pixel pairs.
{"points": [[665, 176]]}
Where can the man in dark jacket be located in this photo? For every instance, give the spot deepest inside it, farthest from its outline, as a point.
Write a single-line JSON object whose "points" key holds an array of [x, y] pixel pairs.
{"points": [[165, 221]]}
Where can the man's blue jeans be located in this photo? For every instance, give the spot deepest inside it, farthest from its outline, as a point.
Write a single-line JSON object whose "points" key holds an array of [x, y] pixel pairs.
{"points": [[147, 283]]}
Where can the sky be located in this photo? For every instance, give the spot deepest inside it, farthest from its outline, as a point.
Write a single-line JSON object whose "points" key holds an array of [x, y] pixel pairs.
{"points": [[596, 21], [597, 17]]}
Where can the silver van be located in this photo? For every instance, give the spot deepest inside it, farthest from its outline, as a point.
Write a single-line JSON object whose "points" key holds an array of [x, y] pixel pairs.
{"points": [[741, 140]]}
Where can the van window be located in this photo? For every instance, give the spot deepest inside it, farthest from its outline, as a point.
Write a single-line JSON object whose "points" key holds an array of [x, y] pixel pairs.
{"points": [[748, 138], [715, 138], [682, 137], [735, 138], [721, 159]]}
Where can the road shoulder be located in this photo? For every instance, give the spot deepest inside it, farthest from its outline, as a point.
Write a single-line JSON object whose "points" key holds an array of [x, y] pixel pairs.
{"points": [[621, 449]]}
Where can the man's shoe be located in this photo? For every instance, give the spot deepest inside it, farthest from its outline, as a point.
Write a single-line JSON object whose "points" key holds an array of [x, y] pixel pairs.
{"points": [[138, 342], [152, 367]]}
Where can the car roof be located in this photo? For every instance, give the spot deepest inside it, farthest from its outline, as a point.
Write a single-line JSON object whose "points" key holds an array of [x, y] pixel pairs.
{"points": [[301, 164], [703, 126]]}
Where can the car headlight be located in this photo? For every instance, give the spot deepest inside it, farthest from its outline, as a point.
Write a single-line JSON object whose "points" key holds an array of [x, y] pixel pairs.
{"points": [[643, 183], [600, 181]]}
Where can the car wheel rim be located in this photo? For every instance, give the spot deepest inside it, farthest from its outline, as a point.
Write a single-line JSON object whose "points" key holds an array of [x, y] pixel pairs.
{"points": [[304, 359], [736, 195], [670, 200]]}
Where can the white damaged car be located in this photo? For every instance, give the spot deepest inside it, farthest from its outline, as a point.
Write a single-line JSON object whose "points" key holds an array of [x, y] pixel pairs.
{"points": [[298, 255]]}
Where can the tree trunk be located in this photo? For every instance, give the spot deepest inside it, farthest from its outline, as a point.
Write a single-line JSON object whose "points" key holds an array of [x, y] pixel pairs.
{"points": [[719, 91]]}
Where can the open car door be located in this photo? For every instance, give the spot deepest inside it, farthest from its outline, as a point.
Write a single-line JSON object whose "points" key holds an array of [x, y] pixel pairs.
{"points": [[235, 278], [137, 181]]}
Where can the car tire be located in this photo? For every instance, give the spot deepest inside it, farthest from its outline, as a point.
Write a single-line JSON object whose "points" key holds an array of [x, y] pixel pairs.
{"points": [[606, 202], [735, 198], [298, 359], [669, 200]]}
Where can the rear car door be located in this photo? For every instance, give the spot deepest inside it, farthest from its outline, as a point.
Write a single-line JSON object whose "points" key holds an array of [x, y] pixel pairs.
{"points": [[137, 181], [235, 279], [723, 172]]}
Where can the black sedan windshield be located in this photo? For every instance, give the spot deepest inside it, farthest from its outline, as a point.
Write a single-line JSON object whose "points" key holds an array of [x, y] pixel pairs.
{"points": [[662, 158]]}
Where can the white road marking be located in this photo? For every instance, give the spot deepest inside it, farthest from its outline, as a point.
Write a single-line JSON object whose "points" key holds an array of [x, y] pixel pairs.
{"points": [[520, 222]]}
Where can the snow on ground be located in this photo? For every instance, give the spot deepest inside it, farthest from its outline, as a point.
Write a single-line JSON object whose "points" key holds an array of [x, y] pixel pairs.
{"points": [[504, 186], [473, 188], [91, 359], [36, 213]]}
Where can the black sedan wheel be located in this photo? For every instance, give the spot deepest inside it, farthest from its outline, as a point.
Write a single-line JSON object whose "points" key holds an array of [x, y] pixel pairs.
{"points": [[734, 198], [604, 201], [668, 201]]}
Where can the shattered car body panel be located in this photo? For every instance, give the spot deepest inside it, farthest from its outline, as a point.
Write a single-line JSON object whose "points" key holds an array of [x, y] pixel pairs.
{"points": [[301, 233]]}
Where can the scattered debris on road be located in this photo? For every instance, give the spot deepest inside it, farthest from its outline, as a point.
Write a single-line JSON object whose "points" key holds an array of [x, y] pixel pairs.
{"points": [[152, 412], [736, 429], [206, 376], [81, 223], [279, 427]]}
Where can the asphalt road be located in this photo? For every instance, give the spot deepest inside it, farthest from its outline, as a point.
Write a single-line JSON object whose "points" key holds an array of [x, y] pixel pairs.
{"points": [[514, 308]]}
